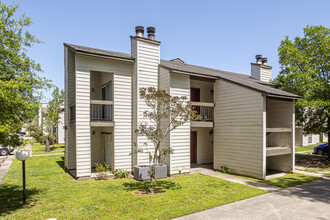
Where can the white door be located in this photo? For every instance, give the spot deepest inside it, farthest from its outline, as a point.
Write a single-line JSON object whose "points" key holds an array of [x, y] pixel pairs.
{"points": [[107, 144]]}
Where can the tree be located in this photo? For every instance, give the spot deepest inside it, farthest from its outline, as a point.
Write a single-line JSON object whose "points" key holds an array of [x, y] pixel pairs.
{"points": [[165, 114], [305, 68], [53, 113], [20, 84]]}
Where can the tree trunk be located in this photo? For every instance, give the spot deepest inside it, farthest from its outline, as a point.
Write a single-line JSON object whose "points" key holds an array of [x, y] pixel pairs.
{"points": [[151, 178], [47, 143], [152, 168]]}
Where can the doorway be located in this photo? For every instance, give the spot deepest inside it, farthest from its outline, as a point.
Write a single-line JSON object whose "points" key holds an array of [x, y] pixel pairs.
{"points": [[108, 149], [195, 96], [193, 147]]}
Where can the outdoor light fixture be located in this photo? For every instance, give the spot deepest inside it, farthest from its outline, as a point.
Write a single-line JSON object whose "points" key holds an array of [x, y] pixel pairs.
{"points": [[22, 155]]}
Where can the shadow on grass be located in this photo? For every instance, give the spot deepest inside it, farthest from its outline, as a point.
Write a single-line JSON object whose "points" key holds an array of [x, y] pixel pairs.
{"points": [[52, 148], [312, 161], [11, 198], [61, 163], [161, 185]]}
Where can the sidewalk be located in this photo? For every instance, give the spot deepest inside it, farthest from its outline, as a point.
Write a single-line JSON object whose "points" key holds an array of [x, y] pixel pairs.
{"points": [[5, 166], [235, 179], [306, 201]]}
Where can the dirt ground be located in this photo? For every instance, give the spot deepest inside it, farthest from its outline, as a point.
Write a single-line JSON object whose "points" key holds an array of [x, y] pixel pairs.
{"points": [[313, 163]]}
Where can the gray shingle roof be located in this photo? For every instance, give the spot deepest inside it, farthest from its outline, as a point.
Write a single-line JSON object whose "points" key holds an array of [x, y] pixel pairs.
{"points": [[237, 78], [90, 50]]}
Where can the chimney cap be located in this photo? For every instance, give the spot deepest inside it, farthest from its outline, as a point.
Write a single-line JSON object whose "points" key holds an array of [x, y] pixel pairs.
{"points": [[139, 30], [151, 30], [151, 33], [258, 59], [264, 61]]}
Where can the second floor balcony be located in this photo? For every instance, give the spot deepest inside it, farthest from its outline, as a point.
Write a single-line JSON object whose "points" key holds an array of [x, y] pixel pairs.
{"points": [[205, 110], [101, 113]]}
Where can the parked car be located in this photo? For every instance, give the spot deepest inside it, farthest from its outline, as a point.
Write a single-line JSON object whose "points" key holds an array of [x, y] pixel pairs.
{"points": [[22, 133], [321, 149], [5, 150]]}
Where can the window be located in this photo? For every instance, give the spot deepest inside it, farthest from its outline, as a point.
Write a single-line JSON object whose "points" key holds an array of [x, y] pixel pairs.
{"points": [[310, 138], [107, 91]]}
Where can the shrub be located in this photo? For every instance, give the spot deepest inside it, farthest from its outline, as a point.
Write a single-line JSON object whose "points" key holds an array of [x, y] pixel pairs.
{"points": [[52, 139], [120, 174], [224, 169], [102, 171], [35, 132]]}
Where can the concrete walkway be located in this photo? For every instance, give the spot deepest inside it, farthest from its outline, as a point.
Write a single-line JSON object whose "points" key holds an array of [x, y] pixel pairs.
{"points": [[5, 166], [313, 174], [235, 179], [29, 148], [307, 201]]}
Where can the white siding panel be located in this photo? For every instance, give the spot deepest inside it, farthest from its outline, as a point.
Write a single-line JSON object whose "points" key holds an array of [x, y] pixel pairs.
{"points": [[121, 72], [70, 145], [123, 119], [145, 74], [83, 154], [238, 129], [180, 137]]}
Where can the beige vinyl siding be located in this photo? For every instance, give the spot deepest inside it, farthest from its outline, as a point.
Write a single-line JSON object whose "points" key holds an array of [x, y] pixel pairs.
{"points": [[70, 145], [123, 120], [238, 129], [279, 113], [164, 84], [135, 96], [147, 59], [122, 73], [261, 73], [180, 137], [83, 150], [255, 71], [266, 75]]}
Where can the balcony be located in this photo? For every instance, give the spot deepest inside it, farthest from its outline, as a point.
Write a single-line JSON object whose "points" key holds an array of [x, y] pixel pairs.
{"points": [[101, 112], [205, 110], [278, 141]]}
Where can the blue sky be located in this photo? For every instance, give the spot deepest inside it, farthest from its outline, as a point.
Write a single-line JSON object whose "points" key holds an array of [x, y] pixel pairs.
{"points": [[219, 34]]}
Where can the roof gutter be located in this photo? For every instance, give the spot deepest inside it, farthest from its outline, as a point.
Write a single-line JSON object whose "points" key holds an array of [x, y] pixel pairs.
{"points": [[130, 60], [262, 92], [283, 97]]}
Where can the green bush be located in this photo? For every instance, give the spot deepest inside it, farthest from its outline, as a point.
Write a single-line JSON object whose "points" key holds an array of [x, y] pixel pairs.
{"points": [[102, 171], [52, 139], [224, 169], [35, 132], [120, 174]]}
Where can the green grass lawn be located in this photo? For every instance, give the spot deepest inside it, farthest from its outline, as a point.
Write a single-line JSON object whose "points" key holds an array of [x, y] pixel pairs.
{"points": [[306, 148], [290, 180], [313, 163], [284, 181], [38, 148], [52, 193]]}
